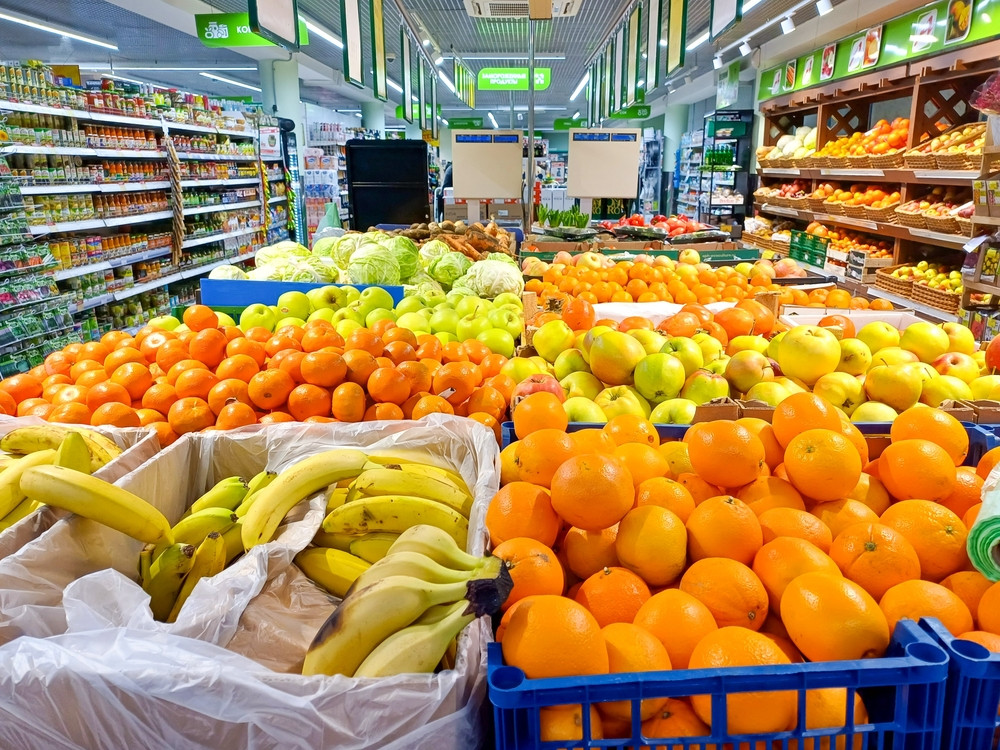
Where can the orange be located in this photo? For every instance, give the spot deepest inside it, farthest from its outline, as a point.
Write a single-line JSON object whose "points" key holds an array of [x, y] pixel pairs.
{"points": [[70, 413], [724, 453], [430, 405], [871, 492], [362, 338], [916, 599], [159, 397], [388, 385], [676, 718], [85, 365], [778, 523], [780, 561], [521, 509], [171, 353], [937, 535], [189, 415], [93, 350], [990, 459], [540, 410], [183, 366], [150, 344], [968, 491], [325, 369], [613, 595], [587, 552], [115, 415], [69, 394], [826, 708], [839, 514], [488, 400], [567, 723], [249, 347], [988, 611], [551, 636], [348, 402], [30, 403], [106, 393], [542, 453], [700, 489], [532, 566], [747, 712], [235, 414], [119, 357], [149, 416], [309, 401], [41, 410], [730, 590], [269, 389], [917, 469], [822, 464], [631, 649], [373, 413], [239, 366], [651, 541], [7, 404], [724, 526], [935, 425], [578, 314], [774, 454], [969, 586], [628, 428], [276, 416], [971, 515], [277, 344], [460, 379], [195, 383], [800, 412], [200, 317], [830, 618], [666, 493], [209, 346], [857, 438], [580, 480], [226, 391], [317, 338], [875, 556], [989, 641], [679, 620], [765, 493], [642, 461]]}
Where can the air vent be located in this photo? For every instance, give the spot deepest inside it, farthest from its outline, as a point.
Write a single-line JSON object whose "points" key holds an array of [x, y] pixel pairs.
{"points": [[517, 8]]}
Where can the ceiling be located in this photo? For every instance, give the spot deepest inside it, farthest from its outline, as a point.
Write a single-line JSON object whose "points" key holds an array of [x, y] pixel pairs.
{"points": [[145, 42]]}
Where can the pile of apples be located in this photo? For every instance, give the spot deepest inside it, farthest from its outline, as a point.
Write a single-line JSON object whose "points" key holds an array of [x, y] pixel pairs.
{"points": [[949, 143], [795, 189], [933, 275], [884, 138], [942, 202]]}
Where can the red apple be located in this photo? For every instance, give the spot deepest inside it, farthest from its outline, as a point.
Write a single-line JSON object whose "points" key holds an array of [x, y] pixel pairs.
{"points": [[993, 356], [534, 384]]}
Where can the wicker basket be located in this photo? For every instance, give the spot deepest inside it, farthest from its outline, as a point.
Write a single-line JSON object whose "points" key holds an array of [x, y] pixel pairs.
{"points": [[817, 162], [913, 219], [892, 160], [803, 162], [964, 226], [818, 205], [936, 298], [956, 161], [920, 160], [855, 212], [837, 162], [835, 208], [859, 162], [885, 280], [777, 200], [765, 163], [800, 204], [886, 215], [943, 224]]}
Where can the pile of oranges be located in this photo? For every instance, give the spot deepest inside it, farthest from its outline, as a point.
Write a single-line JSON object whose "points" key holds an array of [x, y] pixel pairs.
{"points": [[747, 543], [220, 377]]}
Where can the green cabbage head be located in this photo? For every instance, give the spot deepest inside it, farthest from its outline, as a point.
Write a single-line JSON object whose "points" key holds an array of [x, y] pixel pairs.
{"points": [[489, 278], [373, 264], [405, 251], [447, 268]]}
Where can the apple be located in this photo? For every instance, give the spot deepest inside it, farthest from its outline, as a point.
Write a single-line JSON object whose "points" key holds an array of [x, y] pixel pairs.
{"points": [[842, 390], [498, 341], [289, 321], [980, 357], [873, 411], [688, 256], [544, 366], [855, 357], [379, 313], [620, 400], [925, 339], [986, 388], [687, 352], [346, 326], [433, 298], [419, 324], [993, 356], [651, 341], [535, 383], [711, 347], [659, 377], [893, 355], [792, 385], [508, 298], [898, 386], [674, 411], [878, 335], [445, 337], [371, 298], [808, 352], [550, 340], [506, 319], [519, 369], [169, 322], [961, 366], [294, 305], [468, 327], [583, 410], [568, 362], [704, 386], [768, 391], [256, 315], [590, 337], [747, 344], [444, 319], [350, 313], [353, 294], [410, 304], [225, 319], [325, 298], [324, 313], [592, 261], [746, 369], [471, 306], [943, 388], [614, 357], [718, 366], [743, 269], [960, 338], [581, 384], [774, 345]]}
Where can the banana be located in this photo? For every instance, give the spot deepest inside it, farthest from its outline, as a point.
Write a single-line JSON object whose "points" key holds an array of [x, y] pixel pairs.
{"points": [[410, 564], [73, 453], [12, 493], [228, 494], [233, 537], [26, 440], [24, 509], [256, 484], [145, 563], [331, 569], [379, 482], [166, 576], [450, 655], [395, 514], [105, 448], [97, 500], [438, 545], [416, 466], [294, 485], [195, 528], [209, 560], [417, 648], [372, 547], [335, 497], [335, 541]]}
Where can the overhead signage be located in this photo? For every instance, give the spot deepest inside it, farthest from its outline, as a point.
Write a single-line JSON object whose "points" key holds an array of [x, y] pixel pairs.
{"points": [[565, 123], [723, 15], [654, 24], [632, 55], [485, 138], [415, 112], [233, 30], [276, 21], [512, 79], [407, 63], [635, 112], [464, 82], [350, 23], [379, 80], [727, 88], [465, 123], [676, 34], [932, 29]]}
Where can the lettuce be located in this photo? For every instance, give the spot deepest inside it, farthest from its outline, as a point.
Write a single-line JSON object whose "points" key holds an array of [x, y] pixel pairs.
{"points": [[502, 257], [446, 268], [489, 278], [323, 248], [373, 264], [344, 248], [281, 251], [227, 272]]}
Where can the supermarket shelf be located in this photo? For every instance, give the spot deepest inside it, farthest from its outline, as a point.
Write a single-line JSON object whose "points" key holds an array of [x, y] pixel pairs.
{"points": [[277, 199], [89, 304], [930, 312], [29, 270], [213, 183], [18, 148], [195, 210], [58, 189], [128, 187], [106, 265], [993, 221], [976, 286], [70, 273], [909, 176], [197, 155], [179, 276], [5, 346], [67, 226], [127, 153], [118, 221], [46, 303], [195, 242]]}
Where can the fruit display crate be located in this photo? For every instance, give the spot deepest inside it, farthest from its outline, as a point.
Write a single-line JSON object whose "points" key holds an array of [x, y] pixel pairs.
{"points": [[904, 693], [973, 695], [242, 293]]}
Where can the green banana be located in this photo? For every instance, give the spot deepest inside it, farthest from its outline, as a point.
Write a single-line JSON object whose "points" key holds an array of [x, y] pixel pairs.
{"points": [[417, 648], [389, 481], [331, 569], [23, 509], [11, 492], [438, 545], [395, 514], [228, 494], [293, 485], [166, 576], [255, 485], [97, 500], [73, 453], [410, 564], [372, 547], [209, 560]]}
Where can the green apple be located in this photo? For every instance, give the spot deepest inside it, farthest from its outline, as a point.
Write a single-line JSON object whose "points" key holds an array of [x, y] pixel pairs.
{"points": [[498, 341], [324, 313], [879, 335], [349, 294], [181, 328], [855, 357], [925, 339], [346, 326], [551, 340], [444, 319], [508, 298], [986, 387], [166, 322], [687, 352], [792, 385], [674, 411], [711, 347], [704, 386], [842, 390], [581, 384], [373, 297], [659, 377], [427, 312], [774, 346], [621, 400], [379, 313], [444, 337], [471, 305], [874, 411], [568, 362], [980, 357], [583, 410], [747, 368], [899, 386], [326, 297], [520, 369], [744, 269], [470, 326], [294, 305], [943, 388], [225, 319], [718, 366], [415, 322], [768, 391], [290, 321], [747, 343], [505, 318], [410, 304], [256, 315], [960, 338], [651, 341], [433, 299]]}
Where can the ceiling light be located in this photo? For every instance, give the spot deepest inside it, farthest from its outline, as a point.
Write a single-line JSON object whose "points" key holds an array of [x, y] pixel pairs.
{"points": [[130, 80], [579, 86], [358, 115], [576, 114], [787, 25], [663, 42], [322, 33], [745, 48], [717, 62], [697, 41], [447, 82], [438, 60], [644, 56], [493, 120], [231, 82], [199, 68], [443, 121], [823, 7], [427, 42], [751, 4], [487, 56], [393, 85], [640, 82], [54, 30]]}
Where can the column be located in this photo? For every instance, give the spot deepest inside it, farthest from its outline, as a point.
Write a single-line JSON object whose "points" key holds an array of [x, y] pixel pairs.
{"points": [[413, 132], [373, 117], [279, 80]]}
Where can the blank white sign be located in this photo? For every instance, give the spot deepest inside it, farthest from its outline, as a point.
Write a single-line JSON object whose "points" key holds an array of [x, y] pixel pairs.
{"points": [[604, 163]]}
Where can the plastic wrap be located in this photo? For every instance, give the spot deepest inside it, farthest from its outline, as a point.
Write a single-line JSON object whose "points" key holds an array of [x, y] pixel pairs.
{"points": [[984, 536], [653, 311]]}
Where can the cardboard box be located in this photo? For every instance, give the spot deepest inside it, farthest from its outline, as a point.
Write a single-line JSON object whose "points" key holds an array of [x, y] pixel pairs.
{"points": [[986, 412], [505, 210], [720, 408], [756, 409], [547, 246], [964, 411], [460, 212], [630, 246]]}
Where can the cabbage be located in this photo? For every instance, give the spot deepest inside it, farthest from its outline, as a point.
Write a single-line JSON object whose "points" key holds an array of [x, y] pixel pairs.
{"points": [[488, 278], [373, 264], [345, 247], [227, 272], [326, 272], [422, 283], [429, 251], [286, 249], [502, 257], [323, 248], [446, 268], [405, 252]]}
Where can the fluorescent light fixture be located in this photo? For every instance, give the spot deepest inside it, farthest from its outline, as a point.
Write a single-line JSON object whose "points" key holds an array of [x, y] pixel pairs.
{"points": [[579, 86], [640, 82], [576, 114], [745, 48], [322, 33], [443, 121], [749, 4], [787, 25], [823, 7], [132, 80], [438, 60], [447, 82], [427, 42], [358, 115], [644, 56], [717, 62], [231, 82], [697, 41], [393, 85], [155, 68], [493, 120], [663, 42], [487, 56], [55, 30]]}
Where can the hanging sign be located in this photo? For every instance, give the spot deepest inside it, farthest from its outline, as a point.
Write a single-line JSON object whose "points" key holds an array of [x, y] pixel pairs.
{"points": [[233, 30], [723, 15], [435, 124], [512, 79], [676, 34], [404, 47], [727, 87], [377, 18], [276, 20], [350, 23], [632, 55], [465, 123], [619, 82], [635, 112], [422, 92], [654, 23]]}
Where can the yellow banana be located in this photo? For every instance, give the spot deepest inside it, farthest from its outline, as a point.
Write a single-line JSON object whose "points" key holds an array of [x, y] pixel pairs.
{"points": [[73, 453], [233, 537], [437, 545], [255, 485], [12, 493], [195, 528], [410, 564], [228, 494], [166, 576], [106, 449], [209, 560], [97, 500], [372, 547], [294, 485], [334, 541], [145, 563], [335, 497], [331, 569], [416, 465], [30, 439], [24, 509], [386, 481], [395, 514]]}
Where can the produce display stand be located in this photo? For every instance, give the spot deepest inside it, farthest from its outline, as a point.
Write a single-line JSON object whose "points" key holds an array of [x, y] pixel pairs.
{"points": [[233, 296]]}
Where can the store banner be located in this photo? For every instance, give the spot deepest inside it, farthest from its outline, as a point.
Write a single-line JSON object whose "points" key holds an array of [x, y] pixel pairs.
{"points": [[619, 83], [466, 123], [635, 112], [930, 30], [609, 78], [512, 79], [278, 22], [435, 124], [676, 34], [422, 91], [566, 123], [723, 16], [654, 23], [727, 87], [406, 61], [377, 18], [350, 24], [233, 30], [633, 55]]}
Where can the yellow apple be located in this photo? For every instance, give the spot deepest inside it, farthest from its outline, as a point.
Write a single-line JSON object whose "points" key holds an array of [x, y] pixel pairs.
{"points": [[943, 388], [808, 353], [844, 391], [878, 335], [925, 339], [898, 386], [873, 411], [855, 357]]}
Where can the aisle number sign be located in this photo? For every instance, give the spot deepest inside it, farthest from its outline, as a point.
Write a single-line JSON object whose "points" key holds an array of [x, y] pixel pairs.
{"points": [[512, 79], [931, 29], [233, 30]]}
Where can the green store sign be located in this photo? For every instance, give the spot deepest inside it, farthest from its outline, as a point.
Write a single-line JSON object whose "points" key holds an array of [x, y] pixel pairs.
{"points": [[930, 30], [635, 112], [512, 79], [233, 30], [465, 123], [567, 123], [415, 110]]}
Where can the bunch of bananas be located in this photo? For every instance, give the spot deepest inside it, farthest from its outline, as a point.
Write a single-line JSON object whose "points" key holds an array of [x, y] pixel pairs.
{"points": [[72, 449], [403, 613]]}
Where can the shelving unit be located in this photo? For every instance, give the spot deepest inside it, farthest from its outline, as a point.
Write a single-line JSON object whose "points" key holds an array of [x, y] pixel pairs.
{"points": [[725, 164], [688, 184]]}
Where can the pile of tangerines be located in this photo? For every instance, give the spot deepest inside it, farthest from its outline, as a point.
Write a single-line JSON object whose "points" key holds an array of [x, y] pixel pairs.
{"points": [[220, 377], [746, 543]]}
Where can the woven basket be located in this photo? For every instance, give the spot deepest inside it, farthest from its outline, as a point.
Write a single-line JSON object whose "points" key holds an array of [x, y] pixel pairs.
{"points": [[944, 224], [817, 162], [803, 162], [855, 212], [936, 298], [913, 219], [765, 163], [920, 160], [817, 205], [956, 161], [885, 280], [800, 204], [886, 215], [859, 162], [838, 162], [833, 208], [892, 160], [964, 226]]}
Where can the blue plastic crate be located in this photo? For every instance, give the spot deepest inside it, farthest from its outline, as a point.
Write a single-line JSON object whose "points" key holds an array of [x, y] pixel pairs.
{"points": [[973, 698], [904, 694], [236, 293]]}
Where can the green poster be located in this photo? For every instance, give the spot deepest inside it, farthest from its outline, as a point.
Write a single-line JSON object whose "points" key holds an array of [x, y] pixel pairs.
{"points": [[512, 79], [233, 30], [422, 91], [350, 23], [635, 112], [379, 85], [633, 55], [727, 88], [465, 123]]}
